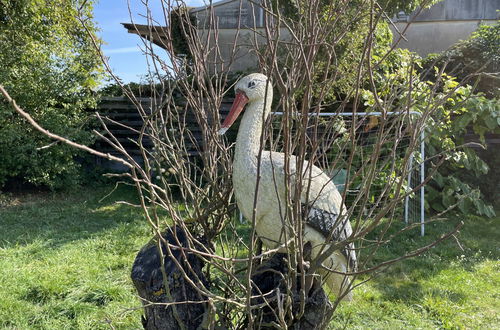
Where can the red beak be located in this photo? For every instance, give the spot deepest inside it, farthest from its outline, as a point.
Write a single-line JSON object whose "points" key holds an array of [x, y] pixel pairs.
{"points": [[239, 103]]}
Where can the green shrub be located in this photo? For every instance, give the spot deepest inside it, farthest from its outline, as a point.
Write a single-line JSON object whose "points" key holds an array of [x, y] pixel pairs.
{"points": [[51, 68], [458, 180], [399, 76], [457, 109], [476, 60]]}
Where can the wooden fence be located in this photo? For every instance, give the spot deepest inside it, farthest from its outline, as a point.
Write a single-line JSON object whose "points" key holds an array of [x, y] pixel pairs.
{"points": [[123, 113], [125, 122]]}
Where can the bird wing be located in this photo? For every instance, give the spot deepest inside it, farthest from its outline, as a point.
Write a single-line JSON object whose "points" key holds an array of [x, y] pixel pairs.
{"points": [[321, 203], [328, 225]]}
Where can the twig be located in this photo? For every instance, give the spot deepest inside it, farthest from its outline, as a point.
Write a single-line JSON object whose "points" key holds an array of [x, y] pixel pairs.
{"points": [[33, 123]]}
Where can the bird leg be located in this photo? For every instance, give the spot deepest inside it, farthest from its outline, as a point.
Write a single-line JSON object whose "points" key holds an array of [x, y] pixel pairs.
{"points": [[258, 249], [312, 280]]}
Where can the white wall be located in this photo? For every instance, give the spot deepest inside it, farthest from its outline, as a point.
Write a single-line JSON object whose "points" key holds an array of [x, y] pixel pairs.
{"points": [[432, 37]]}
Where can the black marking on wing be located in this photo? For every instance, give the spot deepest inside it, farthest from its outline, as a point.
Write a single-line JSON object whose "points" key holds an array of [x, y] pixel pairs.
{"points": [[328, 225]]}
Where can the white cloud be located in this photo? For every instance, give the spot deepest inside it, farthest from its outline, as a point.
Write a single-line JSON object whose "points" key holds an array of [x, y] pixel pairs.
{"points": [[122, 50], [197, 3]]}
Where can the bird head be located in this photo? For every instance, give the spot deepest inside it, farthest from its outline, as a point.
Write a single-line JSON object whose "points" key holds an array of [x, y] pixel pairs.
{"points": [[248, 89]]}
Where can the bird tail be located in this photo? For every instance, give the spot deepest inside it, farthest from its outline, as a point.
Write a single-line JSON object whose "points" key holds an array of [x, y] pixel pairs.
{"points": [[339, 284]]}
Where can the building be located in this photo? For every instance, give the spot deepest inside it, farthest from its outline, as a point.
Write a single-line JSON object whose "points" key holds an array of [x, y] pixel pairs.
{"points": [[235, 20], [444, 24], [427, 31]]}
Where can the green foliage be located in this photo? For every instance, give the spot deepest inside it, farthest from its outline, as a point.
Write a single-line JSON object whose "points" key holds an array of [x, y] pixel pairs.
{"points": [[292, 8], [137, 89], [397, 79], [461, 111], [50, 67], [348, 37], [393, 7], [457, 109], [477, 59]]}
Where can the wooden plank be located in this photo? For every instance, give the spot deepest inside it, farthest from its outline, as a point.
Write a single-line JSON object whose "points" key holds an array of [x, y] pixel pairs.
{"points": [[124, 99]]}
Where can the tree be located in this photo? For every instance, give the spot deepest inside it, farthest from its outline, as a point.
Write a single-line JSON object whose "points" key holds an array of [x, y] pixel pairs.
{"points": [[51, 68], [345, 43], [476, 57]]}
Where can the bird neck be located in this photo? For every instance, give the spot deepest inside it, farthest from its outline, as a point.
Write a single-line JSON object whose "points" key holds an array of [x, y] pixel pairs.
{"points": [[249, 133]]}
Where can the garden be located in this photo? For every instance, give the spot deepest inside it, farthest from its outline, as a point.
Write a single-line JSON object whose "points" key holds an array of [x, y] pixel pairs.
{"points": [[308, 212]]}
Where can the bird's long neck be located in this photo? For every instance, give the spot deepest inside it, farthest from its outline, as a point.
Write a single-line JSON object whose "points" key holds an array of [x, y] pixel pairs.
{"points": [[249, 133]]}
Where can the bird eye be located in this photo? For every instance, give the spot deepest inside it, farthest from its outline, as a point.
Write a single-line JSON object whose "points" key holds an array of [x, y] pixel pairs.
{"points": [[251, 84]]}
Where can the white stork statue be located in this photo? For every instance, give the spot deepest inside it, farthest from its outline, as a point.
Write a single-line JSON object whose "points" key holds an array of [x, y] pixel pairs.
{"points": [[325, 202]]}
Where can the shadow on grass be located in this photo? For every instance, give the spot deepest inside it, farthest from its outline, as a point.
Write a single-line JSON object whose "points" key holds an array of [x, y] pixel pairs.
{"points": [[59, 218]]}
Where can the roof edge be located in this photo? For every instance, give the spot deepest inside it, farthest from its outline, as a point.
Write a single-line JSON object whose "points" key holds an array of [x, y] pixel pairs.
{"points": [[216, 4]]}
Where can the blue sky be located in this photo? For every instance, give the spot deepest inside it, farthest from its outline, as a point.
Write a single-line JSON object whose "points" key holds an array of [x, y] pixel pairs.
{"points": [[123, 48]]}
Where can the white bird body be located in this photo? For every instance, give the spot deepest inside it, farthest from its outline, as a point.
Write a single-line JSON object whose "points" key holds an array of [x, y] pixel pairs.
{"points": [[318, 192]]}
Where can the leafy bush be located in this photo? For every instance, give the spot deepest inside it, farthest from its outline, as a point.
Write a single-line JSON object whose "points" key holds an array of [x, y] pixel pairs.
{"points": [[50, 67], [476, 59], [446, 134], [458, 109], [401, 76]]}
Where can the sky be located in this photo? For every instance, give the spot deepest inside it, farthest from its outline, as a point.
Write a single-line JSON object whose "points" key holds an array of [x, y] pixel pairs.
{"points": [[123, 48]]}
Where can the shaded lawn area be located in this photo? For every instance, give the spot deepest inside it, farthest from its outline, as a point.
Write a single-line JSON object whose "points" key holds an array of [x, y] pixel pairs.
{"points": [[65, 261]]}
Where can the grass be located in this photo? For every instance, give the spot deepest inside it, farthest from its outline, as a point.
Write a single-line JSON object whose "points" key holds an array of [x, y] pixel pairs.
{"points": [[65, 260], [452, 286]]}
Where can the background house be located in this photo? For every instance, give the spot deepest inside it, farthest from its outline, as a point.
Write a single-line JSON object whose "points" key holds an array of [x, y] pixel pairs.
{"points": [[432, 30], [234, 20], [439, 27]]}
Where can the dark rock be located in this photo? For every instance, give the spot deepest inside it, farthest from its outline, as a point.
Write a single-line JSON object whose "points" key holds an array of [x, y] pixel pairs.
{"points": [[269, 280], [147, 277]]}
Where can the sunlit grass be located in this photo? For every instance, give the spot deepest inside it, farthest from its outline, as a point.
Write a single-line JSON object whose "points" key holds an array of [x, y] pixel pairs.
{"points": [[451, 286], [65, 262]]}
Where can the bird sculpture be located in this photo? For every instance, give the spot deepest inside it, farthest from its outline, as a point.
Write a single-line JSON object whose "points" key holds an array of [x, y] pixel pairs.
{"points": [[320, 198]]}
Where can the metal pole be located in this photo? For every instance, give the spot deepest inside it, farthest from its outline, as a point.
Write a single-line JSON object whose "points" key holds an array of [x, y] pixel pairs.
{"points": [[329, 114], [407, 198], [422, 179]]}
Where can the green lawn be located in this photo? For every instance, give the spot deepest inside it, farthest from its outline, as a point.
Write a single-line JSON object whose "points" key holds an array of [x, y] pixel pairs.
{"points": [[65, 260], [448, 287]]}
